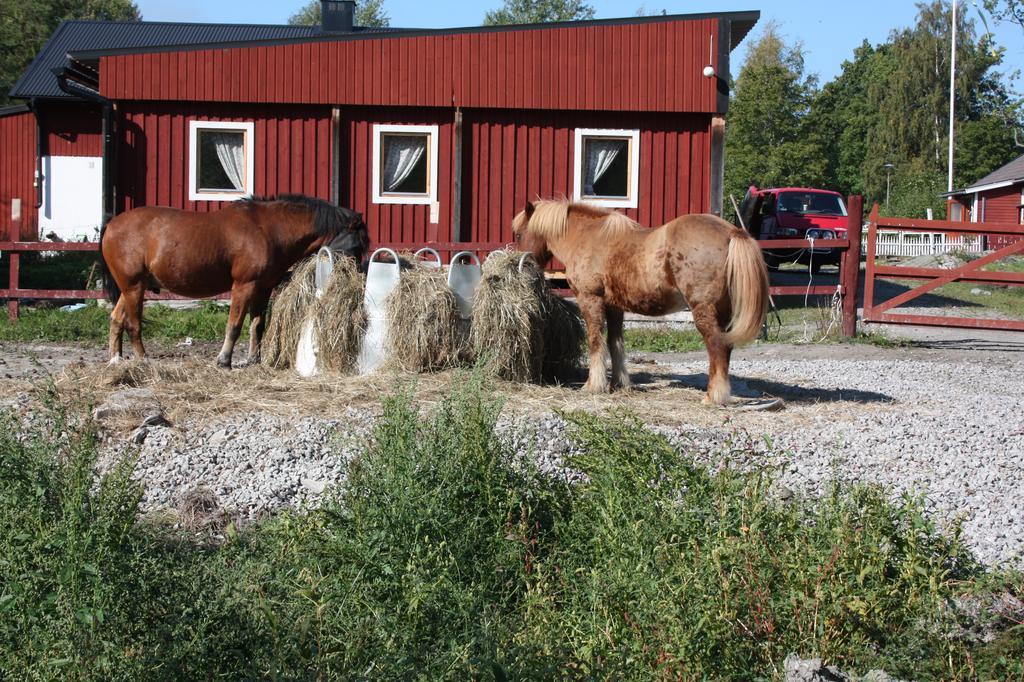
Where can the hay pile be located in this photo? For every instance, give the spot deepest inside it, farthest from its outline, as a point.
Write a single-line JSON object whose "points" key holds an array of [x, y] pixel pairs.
{"points": [[424, 329], [288, 310], [520, 328], [340, 320], [338, 317]]}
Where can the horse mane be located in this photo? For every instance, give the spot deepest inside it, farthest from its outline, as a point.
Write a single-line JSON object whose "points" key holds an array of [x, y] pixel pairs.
{"points": [[328, 220], [550, 218]]}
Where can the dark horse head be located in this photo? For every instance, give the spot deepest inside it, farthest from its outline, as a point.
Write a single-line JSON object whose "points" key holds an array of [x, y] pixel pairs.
{"points": [[341, 229]]}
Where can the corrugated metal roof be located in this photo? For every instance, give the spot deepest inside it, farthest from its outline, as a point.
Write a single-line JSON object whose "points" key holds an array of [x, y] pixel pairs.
{"points": [[1009, 173], [13, 109], [78, 35]]}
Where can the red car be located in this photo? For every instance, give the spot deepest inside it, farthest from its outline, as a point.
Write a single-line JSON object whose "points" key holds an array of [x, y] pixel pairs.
{"points": [[795, 213]]}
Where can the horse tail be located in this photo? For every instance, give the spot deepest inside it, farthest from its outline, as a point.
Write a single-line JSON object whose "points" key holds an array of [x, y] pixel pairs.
{"points": [[747, 279], [109, 285]]}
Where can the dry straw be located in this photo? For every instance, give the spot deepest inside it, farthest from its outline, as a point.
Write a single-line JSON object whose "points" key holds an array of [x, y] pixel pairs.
{"points": [[424, 324], [338, 317], [341, 318], [288, 311], [520, 327]]}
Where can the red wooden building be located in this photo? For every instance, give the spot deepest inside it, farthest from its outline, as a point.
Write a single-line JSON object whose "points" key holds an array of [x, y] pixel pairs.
{"points": [[996, 198], [435, 135]]}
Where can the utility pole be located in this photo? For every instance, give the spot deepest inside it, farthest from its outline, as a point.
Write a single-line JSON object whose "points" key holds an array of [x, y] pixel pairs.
{"points": [[888, 170], [952, 95]]}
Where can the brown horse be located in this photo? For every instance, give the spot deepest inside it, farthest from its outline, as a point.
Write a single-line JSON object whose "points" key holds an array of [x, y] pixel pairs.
{"points": [[614, 265], [245, 248]]}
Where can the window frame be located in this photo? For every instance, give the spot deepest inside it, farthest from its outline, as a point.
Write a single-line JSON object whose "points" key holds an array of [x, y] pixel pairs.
{"points": [[633, 178], [248, 129], [433, 146]]}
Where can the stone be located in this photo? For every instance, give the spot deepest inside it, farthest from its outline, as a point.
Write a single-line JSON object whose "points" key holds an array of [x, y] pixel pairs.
{"points": [[156, 419], [314, 486], [811, 670], [127, 401]]}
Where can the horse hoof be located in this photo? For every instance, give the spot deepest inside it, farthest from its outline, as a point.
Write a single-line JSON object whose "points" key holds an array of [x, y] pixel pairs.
{"points": [[599, 389], [224, 364], [116, 360]]}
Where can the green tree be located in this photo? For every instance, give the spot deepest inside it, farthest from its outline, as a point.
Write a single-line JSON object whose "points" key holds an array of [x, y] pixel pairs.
{"points": [[912, 130], [25, 25], [539, 11], [767, 141], [1006, 10], [890, 104], [368, 13], [843, 117]]}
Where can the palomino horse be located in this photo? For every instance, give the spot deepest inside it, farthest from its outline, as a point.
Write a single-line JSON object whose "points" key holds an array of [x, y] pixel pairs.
{"points": [[245, 248], [614, 265]]}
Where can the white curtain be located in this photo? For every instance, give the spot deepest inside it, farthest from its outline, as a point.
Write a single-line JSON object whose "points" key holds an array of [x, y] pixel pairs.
{"points": [[600, 155], [231, 153], [403, 153]]}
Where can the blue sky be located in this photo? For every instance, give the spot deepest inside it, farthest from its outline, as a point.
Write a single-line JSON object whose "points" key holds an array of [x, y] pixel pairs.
{"points": [[829, 31]]}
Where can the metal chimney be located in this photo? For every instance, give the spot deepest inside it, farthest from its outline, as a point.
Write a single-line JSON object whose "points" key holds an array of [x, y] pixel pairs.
{"points": [[337, 16]]}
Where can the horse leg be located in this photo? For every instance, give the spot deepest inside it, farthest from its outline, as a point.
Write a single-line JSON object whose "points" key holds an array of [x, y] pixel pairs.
{"points": [[133, 298], [592, 309], [241, 295], [117, 324], [617, 348], [257, 324], [705, 317]]}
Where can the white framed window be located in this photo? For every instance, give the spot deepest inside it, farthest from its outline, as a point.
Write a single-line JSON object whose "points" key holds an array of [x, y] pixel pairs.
{"points": [[220, 166], [606, 170], [405, 164]]}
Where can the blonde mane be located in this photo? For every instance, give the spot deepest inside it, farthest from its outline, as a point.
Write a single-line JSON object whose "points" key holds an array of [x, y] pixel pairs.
{"points": [[550, 218]]}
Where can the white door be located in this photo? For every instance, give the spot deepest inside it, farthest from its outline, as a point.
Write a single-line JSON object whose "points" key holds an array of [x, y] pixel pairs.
{"points": [[72, 197]]}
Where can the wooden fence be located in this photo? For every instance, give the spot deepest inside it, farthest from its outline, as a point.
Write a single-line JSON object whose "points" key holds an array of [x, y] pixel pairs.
{"points": [[973, 272], [849, 268], [909, 244]]}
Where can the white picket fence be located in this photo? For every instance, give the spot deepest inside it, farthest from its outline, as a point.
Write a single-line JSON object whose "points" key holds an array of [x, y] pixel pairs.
{"points": [[898, 243]]}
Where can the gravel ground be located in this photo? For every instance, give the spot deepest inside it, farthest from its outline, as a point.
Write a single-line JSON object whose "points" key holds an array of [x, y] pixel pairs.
{"points": [[945, 424]]}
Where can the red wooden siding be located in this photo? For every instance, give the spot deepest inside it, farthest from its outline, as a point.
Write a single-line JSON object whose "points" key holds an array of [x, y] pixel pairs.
{"points": [[292, 147], [17, 170], [511, 157], [72, 129], [627, 67], [508, 158], [394, 223], [1002, 206]]}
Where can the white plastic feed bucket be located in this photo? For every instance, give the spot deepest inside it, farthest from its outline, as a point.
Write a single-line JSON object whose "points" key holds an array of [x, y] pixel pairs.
{"points": [[427, 251], [463, 280], [381, 279], [307, 361]]}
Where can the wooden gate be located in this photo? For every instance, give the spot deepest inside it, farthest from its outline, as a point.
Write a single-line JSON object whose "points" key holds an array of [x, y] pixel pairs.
{"points": [[971, 272]]}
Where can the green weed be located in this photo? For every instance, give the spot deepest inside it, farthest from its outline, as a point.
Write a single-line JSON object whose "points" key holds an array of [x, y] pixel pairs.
{"points": [[91, 324], [663, 340], [446, 555]]}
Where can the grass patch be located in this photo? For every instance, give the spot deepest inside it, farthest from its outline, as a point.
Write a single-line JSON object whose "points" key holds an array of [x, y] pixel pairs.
{"points": [[60, 270], [663, 340], [91, 324], [446, 556]]}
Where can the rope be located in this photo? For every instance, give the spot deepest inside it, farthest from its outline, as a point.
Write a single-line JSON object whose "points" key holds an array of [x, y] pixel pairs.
{"points": [[810, 268]]}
